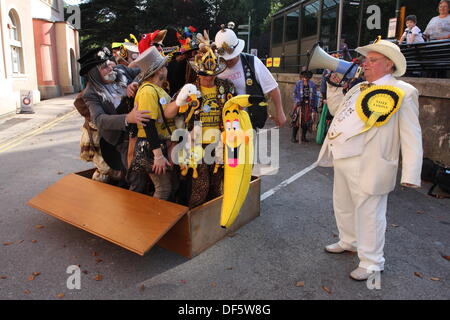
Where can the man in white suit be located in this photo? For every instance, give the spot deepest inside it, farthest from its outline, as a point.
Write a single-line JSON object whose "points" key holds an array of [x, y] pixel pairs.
{"points": [[372, 123]]}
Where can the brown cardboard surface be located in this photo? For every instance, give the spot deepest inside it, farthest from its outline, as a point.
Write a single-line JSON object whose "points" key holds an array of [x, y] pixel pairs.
{"points": [[131, 220]]}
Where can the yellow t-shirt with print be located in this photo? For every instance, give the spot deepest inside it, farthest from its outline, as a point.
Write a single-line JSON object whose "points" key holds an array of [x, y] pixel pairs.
{"points": [[210, 113], [147, 98]]}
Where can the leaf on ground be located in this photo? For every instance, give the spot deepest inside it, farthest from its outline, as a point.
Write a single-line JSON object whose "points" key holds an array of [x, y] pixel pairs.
{"points": [[213, 284], [326, 290], [300, 284], [94, 254], [33, 276], [98, 260], [446, 257], [39, 226], [85, 271], [61, 295], [395, 225], [8, 243], [142, 288], [98, 277], [418, 274], [21, 241], [34, 241], [230, 268], [3, 277], [435, 279], [27, 291], [420, 212]]}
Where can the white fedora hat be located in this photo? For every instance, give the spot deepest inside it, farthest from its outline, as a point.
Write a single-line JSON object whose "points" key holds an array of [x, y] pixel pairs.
{"points": [[390, 50], [228, 44], [150, 61]]}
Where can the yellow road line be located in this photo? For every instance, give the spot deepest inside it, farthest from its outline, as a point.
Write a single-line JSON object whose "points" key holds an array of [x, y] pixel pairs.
{"points": [[16, 141]]}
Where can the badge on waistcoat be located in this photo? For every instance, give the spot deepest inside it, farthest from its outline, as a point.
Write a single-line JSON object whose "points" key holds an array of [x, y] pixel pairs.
{"points": [[221, 90], [376, 105], [249, 82]]}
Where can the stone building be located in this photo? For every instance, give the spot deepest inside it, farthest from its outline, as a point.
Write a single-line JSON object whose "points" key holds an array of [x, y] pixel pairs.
{"points": [[38, 52]]}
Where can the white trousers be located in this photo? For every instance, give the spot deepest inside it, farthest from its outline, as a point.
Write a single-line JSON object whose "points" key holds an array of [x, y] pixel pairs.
{"points": [[360, 217]]}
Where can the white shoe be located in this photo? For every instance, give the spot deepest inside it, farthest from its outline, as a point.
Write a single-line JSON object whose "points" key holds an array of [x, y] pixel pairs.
{"points": [[336, 248], [361, 274]]}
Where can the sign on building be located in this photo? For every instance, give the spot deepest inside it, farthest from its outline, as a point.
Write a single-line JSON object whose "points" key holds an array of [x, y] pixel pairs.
{"points": [[392, 30]]}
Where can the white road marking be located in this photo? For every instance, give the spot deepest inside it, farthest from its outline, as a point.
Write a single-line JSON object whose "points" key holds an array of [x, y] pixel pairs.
{"points": [[287, 182]]}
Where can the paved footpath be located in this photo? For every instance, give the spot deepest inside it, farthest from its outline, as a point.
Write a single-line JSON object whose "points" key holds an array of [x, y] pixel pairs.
{"points": [[279, 255]]}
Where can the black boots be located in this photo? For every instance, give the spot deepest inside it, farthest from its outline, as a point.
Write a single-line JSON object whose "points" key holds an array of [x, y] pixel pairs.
{"points": [[304, 131], [294, 135]]}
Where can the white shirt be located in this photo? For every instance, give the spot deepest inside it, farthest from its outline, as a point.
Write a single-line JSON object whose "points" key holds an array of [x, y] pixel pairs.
{"points": [[346, 124], [416, 31], [237, 76], [438, 27]]}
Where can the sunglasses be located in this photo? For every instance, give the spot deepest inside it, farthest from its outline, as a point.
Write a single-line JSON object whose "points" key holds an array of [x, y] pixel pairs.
{"points": [[226, 49]]}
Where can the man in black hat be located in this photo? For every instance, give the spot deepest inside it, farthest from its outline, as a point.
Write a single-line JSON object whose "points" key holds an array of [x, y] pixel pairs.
{"points": [[106, 95]]}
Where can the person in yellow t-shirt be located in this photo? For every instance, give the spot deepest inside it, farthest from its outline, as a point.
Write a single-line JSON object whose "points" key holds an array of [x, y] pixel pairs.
{"points": [[151, 151], [214, 93]]}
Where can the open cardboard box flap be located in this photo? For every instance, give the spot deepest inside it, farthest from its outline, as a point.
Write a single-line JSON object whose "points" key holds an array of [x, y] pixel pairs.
{"points": [[131, 220]]}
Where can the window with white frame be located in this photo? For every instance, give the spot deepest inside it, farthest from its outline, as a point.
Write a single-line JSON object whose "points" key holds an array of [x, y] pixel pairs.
{"points": [[15, 42]]}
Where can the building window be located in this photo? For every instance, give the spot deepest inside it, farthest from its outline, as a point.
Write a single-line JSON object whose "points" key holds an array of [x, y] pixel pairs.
{"points": [[277, 32], [311, 14], [15, 43], [328, 24], [292, 25]]}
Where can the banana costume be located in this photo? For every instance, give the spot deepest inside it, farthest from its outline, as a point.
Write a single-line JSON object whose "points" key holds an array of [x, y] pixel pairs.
{"points": [[238, 140]]}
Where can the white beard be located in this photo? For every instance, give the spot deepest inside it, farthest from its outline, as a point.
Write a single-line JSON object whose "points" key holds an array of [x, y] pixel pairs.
{"points": [[111, 77]]}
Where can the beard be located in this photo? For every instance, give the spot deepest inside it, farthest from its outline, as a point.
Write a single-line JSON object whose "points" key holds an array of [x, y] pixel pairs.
{"points": [[110, 77]]}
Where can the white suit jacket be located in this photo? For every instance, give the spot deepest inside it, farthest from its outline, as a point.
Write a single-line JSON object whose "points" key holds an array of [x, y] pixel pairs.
{"points": [[382, 145]]}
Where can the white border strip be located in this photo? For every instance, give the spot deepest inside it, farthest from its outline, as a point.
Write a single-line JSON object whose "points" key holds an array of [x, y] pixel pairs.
{"points": [[287, 182]]}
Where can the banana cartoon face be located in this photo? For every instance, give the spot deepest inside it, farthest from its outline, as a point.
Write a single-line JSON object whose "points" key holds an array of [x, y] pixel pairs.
{"points": [[234, 136]]}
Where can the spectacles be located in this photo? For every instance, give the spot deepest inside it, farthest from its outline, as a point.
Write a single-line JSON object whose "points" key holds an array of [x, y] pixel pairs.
{"points": [[372, 60]]}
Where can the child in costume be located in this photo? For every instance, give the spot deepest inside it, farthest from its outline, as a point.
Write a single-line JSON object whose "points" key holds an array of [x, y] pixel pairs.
{"points": [[152, 154], [305, 103]]}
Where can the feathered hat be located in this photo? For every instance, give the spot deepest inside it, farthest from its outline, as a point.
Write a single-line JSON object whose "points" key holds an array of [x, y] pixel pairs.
{"points": [[187, 39], [207, 62]]}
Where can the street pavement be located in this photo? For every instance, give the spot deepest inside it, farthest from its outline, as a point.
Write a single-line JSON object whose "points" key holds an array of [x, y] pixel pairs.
{"points": [[279, 255]]}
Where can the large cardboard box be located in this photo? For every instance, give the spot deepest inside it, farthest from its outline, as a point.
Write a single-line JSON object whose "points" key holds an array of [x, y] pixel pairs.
{"points": [[137, 222]]}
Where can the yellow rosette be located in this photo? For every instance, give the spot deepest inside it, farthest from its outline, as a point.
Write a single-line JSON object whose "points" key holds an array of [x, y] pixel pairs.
{"points": [[376, 105]]}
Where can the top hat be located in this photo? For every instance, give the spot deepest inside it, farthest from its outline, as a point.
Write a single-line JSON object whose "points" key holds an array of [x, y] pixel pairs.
{"points": [[207, 62], [93, 58], [150, 61]]}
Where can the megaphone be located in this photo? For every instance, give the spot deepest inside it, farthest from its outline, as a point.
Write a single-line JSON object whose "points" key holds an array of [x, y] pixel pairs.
{"points": [[320, 59]]}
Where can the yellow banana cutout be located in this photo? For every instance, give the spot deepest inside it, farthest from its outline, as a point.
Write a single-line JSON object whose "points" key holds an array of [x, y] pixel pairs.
{"points": [[238, 157]]}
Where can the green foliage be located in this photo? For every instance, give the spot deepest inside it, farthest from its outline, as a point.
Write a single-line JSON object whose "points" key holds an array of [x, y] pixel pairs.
{"points": [[107, 21]]}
